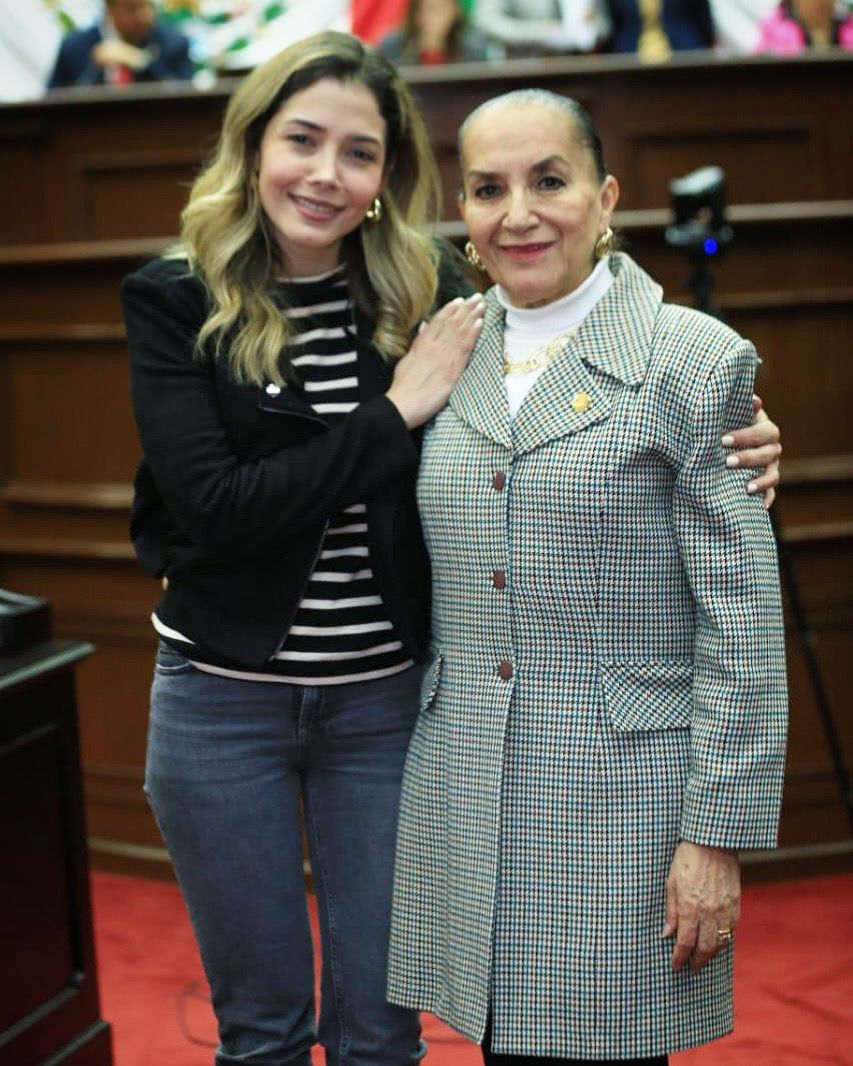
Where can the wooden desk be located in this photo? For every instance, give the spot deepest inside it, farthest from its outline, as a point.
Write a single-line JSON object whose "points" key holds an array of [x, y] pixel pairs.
{"points": [[48, 984], [104, 164]]}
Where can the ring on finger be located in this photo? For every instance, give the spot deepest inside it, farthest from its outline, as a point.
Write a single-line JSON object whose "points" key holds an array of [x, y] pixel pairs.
{"points": [[724, 937]]}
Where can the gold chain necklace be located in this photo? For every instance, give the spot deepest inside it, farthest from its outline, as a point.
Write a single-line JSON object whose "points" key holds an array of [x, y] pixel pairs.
{"points": [[540, 356]]}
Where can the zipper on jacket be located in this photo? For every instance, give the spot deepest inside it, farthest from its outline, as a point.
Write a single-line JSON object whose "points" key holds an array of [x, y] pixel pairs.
{"points": [[306, 416]]}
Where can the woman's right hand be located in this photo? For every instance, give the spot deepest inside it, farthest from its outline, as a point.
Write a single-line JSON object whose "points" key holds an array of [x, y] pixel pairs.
{"points": [[425, 375]]}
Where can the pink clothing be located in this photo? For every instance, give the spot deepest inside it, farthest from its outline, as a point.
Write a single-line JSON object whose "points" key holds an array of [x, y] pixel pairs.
{"points": [[784, 36]]}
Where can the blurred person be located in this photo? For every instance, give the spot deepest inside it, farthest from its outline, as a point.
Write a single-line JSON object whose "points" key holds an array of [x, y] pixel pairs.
{"points": [[435, 32], [797, 25], [655, 28], [544, 26], [128, 45], [737, 24]]}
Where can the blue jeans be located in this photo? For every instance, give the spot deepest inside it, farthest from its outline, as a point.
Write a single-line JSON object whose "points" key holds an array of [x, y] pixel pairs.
{"points": [[229, 765]]}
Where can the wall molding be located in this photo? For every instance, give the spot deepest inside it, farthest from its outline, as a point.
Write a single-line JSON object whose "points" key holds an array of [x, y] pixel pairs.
{"points": [[64, 495]]}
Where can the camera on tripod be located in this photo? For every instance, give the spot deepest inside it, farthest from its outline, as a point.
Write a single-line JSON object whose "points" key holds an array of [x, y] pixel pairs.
{"points": [[699, 228]]}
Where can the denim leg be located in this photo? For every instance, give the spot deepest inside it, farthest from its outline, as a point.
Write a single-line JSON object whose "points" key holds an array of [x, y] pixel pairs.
{"points": [[360, 735], [222, 780]]}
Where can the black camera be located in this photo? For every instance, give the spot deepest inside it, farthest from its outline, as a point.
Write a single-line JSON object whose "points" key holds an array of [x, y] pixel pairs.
{"points": [[699, 228], [699, 205]]}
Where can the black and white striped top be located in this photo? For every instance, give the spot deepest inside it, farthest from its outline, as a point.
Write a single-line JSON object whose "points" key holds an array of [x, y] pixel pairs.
{"points": [[341, 632]]}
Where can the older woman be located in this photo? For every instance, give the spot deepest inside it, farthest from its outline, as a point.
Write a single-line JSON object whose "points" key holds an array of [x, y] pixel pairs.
{"points": [[603, 712]]}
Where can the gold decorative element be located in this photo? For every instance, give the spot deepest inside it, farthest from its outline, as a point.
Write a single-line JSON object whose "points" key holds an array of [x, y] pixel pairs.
{"points": [[653, 45], [539, 357], [604, 244], [473, 256], [724, 936], [581, 402], [374, 212]]}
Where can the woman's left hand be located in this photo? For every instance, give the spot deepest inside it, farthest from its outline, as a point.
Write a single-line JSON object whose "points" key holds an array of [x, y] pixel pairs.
{"points": [[760, 447], [702, 901]]}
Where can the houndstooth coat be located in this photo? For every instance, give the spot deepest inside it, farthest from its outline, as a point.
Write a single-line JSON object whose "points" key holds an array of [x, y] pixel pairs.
{"points": [[606, 677]]}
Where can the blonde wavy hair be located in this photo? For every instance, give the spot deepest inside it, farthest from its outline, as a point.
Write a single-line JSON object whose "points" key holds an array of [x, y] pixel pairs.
{"points": [[226, 237]]}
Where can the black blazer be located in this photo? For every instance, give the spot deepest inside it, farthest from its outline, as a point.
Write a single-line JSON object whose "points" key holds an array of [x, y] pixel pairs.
{"points": [[75, 66], [236, 485]]}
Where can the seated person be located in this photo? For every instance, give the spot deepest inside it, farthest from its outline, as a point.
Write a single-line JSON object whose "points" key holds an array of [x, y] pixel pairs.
{"points": [[793, 27], [653, 28], [436, 31], [129, 45], [536, 27]]}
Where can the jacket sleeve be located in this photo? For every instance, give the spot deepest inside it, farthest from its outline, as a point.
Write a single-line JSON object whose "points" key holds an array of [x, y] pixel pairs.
{"points": [[734, 786], [58, 76], [234, 508], [172, 61]]}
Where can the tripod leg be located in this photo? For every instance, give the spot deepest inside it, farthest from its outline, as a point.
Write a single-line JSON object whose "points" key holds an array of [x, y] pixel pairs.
{"points": [[807, 644]]}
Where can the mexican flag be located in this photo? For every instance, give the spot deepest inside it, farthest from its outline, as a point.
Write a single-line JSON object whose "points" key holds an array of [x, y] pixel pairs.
{"points": [[241, 34], [371, 20]]}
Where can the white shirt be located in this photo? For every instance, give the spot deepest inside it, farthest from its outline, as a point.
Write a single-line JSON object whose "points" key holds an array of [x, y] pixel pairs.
{"points": [[528, 328]]}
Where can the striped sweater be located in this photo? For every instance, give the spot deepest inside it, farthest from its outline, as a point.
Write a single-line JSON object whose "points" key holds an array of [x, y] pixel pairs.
{"points": [[341, 632]]}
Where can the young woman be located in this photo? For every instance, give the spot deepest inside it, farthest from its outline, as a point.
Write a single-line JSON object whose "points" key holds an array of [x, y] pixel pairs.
{"points": [[277, 374]]}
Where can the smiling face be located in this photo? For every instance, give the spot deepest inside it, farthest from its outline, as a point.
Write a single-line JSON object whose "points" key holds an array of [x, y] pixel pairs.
{"points": [[320, 164], [533, 203]]}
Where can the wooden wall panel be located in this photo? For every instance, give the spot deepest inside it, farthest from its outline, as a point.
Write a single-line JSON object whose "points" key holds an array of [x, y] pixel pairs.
{"points": [[19, 149], [106, 179], [781, 128], [775, 150], [47, 412]]}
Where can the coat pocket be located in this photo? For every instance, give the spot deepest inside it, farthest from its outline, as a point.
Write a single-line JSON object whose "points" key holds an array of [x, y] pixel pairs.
{"points": [[431, 678], [648, 694]]}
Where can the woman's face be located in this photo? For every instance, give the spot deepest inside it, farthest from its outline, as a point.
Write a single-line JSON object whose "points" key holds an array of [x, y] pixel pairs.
{"points": [[533, 204], [436, 17], [320, 164]]}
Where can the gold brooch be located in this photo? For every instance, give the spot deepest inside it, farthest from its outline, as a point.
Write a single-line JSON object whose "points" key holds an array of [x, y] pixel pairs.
{"points": [[581, 402]]}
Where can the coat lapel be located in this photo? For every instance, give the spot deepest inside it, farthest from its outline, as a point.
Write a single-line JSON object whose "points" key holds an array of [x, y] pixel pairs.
{"points": [[611, 347], [567, 398], [479, 397]]}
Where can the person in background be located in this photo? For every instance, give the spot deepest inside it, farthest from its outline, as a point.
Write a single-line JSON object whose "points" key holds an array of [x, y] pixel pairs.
{"points": [[541, 27], [435, 32], [604, 709], [736, 24], [655, 28], [796, 25], [129, 45]]}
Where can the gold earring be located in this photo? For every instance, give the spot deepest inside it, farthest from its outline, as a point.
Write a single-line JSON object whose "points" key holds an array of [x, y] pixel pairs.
{"points": [[374, 212], [604, 244], [473, 257]]}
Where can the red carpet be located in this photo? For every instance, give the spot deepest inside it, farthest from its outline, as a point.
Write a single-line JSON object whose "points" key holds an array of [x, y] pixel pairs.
{"points": [[794, 980]]}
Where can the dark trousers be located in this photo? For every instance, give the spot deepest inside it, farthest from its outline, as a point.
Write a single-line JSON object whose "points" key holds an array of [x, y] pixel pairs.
{"points": [[491, 1059]]}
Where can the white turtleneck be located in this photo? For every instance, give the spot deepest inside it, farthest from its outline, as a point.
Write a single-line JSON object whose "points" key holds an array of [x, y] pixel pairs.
{"points": [[528, 328]]}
